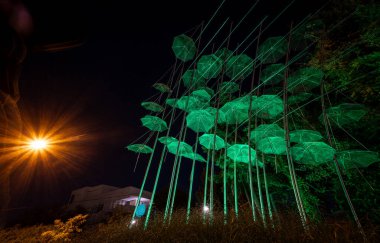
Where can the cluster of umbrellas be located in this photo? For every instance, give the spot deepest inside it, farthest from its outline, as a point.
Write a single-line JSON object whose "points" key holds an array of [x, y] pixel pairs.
{"points": [[204, 117]]}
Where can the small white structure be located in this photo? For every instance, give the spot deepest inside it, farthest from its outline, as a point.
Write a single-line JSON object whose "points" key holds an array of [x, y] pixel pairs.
{"points": [[104, 198]]}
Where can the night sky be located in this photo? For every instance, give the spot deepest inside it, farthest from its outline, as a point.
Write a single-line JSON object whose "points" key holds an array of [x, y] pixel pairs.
{"points": [[122, 50]]}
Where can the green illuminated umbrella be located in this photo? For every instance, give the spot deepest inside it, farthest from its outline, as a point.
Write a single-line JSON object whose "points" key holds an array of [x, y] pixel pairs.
{"points": [[345, 114], [182, 149], [201, 95], [267, 130], [213, 111], [245, 100], [192, 79], [223, 54], [184, 48], [357, 158], [189, 103], [299, 98], [312, 153], [300, 136], [162, 87], [200, 121], [207, 140], [172, 102], [305, 79], [239, 67], [209, 66], [195, 156], [272, 145], [235, 112], [154, 123], [140, 148], [166, 140], [268, 106], [272, 49], [229, 87], [152, 106], [240, 153], [210, 91], [273, 74]]}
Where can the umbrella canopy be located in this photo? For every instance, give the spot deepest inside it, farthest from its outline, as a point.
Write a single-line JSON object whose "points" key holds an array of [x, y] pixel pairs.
{"points": [[201, 95], [312, 153], [357, 158], [234, 112], [228, 87], [166, 140], [172, 102], [189, 103], [195, 156], [268, 106], [273, 74], [267, 130], [163, 88], [192, 79], [272, 49], [305, 79], [303, 135], [299, 98], [184, 48], [240, 153], [183, 148], [200, 121], [239, 67], [209, 66], [272, 145], [213, 111], [207, 140], [152, 106], [345, 114], [154, 123], [140, 148], [224, 54], [210, 91]]}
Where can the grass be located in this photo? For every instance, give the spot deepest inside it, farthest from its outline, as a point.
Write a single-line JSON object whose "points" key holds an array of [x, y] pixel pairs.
{"points": [[285, 228]]}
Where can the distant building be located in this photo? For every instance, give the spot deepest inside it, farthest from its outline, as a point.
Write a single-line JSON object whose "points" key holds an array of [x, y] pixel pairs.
{"points": [[104, 198]]}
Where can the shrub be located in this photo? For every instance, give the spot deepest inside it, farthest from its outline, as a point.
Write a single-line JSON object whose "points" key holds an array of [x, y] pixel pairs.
{"points": [[64, 231]]}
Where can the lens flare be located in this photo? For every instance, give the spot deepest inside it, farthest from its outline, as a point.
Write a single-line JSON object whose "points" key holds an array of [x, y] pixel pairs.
{"points": [[38, 144], [44, 148]]}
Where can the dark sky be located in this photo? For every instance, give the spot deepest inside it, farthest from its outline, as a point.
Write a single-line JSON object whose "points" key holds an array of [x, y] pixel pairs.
{"points": [[124, 49]]}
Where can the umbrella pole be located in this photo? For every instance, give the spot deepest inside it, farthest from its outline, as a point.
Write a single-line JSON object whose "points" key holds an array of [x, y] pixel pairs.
{"points": [[137, 161], [177, 174], [235, 181], [297, 196], [235, 191], [175, 188], [171, 187], [252, 203], [205, 187], [267, 190], [336, 164], [212, 184], [154, 188], [163, 156], [225, 178], [144, 180], [191, 180]]}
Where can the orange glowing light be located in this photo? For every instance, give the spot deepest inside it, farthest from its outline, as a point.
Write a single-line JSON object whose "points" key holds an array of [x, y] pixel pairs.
{"points": [[44, 147], [38, 144]]}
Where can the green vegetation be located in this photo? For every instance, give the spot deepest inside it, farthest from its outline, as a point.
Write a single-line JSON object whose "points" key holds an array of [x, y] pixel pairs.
{"points": [[115, 229]]}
